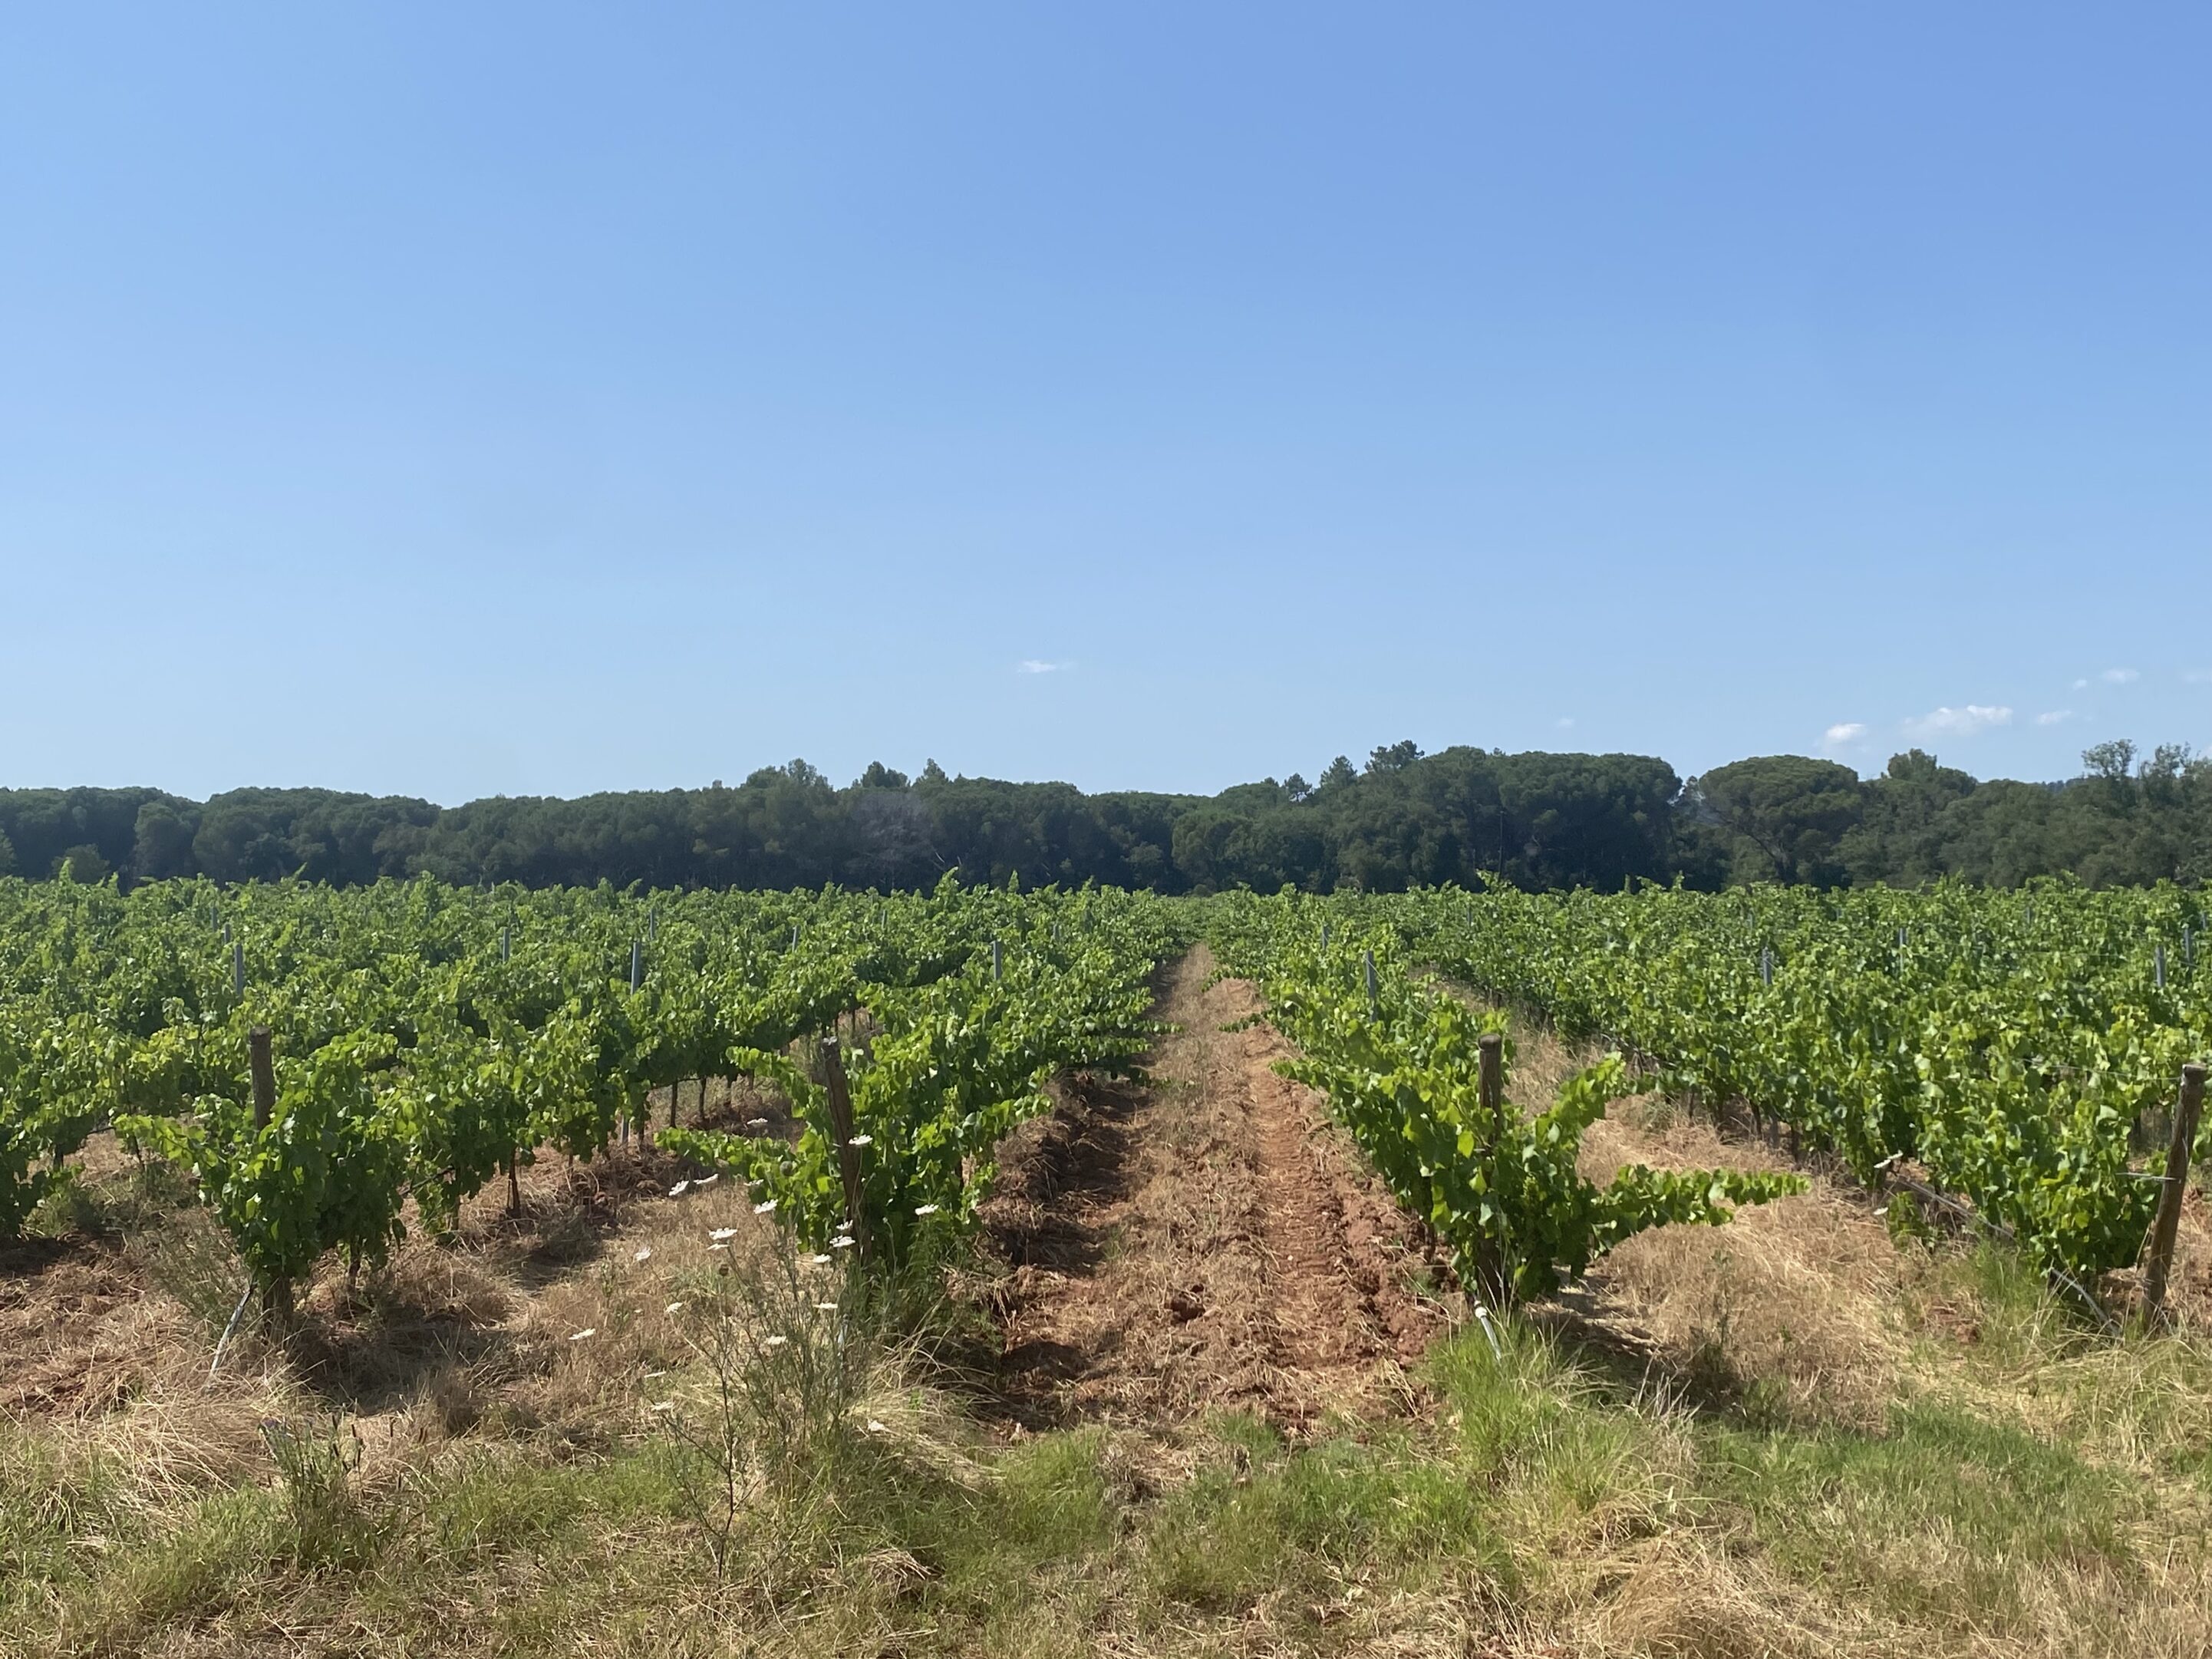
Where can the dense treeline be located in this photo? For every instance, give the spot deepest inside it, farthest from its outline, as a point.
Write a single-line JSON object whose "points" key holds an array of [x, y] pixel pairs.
{"points": [[1540, 820], [2129, 820]]}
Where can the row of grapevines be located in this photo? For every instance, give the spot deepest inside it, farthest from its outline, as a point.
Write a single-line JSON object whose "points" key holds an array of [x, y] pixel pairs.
{"points": [[1400, 1066], [425, 1037], [2009, 1044], [937, 1074]]}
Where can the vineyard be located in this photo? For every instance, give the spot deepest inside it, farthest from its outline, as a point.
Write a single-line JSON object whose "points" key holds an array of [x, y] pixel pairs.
{"points": [[1403, 1065], [317, 1059], [1206, 1186], [2018, 1048]]}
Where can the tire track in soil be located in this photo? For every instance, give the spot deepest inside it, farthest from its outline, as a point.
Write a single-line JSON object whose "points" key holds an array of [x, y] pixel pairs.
{"points": [[1206, 1240]]}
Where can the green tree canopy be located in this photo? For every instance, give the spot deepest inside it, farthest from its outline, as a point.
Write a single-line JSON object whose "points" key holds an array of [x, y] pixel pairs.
{"points": [[1788, 813]]}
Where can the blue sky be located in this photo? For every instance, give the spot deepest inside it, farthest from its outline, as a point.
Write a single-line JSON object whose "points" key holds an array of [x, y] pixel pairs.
{"points": [[533, 398]]}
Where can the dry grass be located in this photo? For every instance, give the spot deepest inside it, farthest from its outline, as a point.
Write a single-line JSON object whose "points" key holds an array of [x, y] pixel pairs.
{"points": [[1796, 1298]]}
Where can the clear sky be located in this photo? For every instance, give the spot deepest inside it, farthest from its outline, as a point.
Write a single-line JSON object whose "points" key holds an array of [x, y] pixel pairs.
{"points": [[461, 399]]}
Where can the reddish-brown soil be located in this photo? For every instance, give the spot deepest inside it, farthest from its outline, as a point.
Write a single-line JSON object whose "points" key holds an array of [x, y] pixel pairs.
{"points": [[1204, 1239]]}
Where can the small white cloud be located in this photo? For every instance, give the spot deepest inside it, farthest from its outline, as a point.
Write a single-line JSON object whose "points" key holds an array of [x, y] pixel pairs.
{"points": [[2081, 685], [2196, 676], [1958, 722], [1564, 721], [1034, 666], [2056, 717], [1843, 731], [2119, 676]]}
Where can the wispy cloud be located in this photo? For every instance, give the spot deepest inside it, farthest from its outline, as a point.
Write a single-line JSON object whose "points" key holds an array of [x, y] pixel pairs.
{"points": [[1037, 666], [2119, 676], [1958, 722], [2196, 676], [1564, 722], [2056, 717], [1843, 731], [2081, 685]]}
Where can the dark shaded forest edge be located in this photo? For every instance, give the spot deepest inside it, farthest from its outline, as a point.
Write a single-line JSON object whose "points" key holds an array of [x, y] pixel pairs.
{"points": [[1540, 821]]}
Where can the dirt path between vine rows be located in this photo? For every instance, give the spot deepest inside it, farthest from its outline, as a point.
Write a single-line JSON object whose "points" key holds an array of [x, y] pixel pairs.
{"points": [[1205, 1239]]}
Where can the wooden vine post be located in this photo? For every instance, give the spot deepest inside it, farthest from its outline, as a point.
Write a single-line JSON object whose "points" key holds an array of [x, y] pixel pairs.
{"points": [[1492, 1050], [276, 1298], [849, 1154], [264, 1066], [2167, 1224], [1489, 1087]]}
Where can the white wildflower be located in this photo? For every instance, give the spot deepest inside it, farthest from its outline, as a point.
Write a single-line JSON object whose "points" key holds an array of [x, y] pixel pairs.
{"points": [[822, 1260], [718, 1247], [673, 1308], [708, 1180], [925, 1209], [680, 1189], [588, 1330], [644, 1254], [756, 1123], [764, 1206], [862, 1140], [719, 1234], [841, 1242], [875, 1427]]}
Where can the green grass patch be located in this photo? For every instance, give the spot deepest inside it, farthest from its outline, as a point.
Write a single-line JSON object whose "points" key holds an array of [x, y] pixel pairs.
{"points": [[1937, 1521], [1312, 1519]]}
